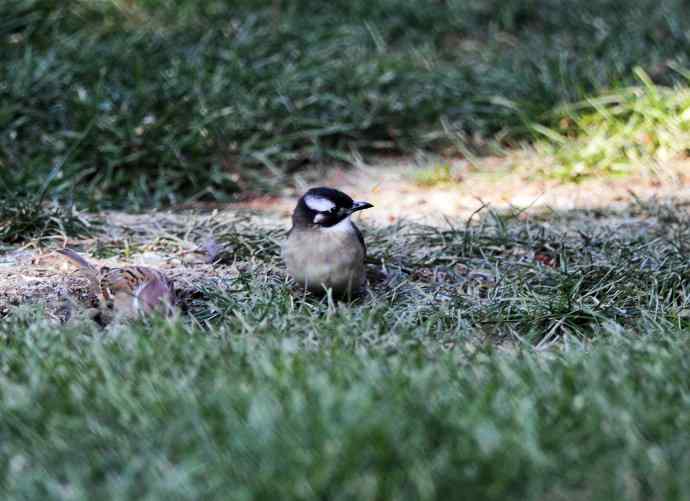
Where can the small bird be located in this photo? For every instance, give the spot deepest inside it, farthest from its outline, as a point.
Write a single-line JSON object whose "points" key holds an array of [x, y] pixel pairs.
{"points": [[324, 249], [128, 290]]}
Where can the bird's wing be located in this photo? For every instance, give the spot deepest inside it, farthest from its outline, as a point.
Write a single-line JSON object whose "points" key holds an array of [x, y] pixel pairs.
{"points": [[155, 294], [360, 238]]}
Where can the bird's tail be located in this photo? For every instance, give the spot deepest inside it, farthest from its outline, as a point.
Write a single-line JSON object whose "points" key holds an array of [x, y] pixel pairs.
{"points": [[89, 270], [76, 258]]}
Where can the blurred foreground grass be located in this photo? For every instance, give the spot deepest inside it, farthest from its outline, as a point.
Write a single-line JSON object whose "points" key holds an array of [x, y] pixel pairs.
{"points": [[161, 411], [152, 102]]}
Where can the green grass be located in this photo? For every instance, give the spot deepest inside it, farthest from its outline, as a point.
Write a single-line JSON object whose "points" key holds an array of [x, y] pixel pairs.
{"points": [[348, 412], [476, 365], [157, 102], [24, 219], [440, 174], [519, 356], [617, 133]]}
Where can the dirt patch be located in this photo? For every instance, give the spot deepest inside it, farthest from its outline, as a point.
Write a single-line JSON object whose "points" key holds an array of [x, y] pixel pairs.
{"points": [[392, 186], [183, 245]]}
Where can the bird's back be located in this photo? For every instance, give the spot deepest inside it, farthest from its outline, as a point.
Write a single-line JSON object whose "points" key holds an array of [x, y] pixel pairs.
{"points": [[136, 284]]}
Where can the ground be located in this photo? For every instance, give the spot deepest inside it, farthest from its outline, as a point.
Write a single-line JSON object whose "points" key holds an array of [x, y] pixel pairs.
{"points": [[514, 354], [524, 334], [200, 246]]}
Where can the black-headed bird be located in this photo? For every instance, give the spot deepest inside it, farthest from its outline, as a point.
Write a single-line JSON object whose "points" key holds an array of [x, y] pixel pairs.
{"points": [[324, 249]]}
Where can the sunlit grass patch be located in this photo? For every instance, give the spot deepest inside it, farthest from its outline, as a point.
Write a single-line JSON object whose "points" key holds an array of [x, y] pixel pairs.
{"points": [[439, 174], [618, 133]]}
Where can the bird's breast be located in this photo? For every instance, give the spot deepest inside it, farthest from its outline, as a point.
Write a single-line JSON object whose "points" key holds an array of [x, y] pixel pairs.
{"points": [[318, 258]]}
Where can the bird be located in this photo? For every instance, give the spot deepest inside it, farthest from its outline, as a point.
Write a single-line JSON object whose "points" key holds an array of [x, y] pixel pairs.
{"points": [[129, 290], [324, 249]]}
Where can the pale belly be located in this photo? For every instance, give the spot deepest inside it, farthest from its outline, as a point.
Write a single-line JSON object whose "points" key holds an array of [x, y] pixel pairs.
{"points": [[325, 261]]}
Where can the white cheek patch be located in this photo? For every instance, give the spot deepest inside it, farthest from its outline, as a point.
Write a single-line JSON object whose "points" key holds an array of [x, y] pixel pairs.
{"points": [[344, 226], [318, 204]]}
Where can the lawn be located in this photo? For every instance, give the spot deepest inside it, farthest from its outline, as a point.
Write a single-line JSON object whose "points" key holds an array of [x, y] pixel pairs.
{"points": [[521, 353], [360, 409], [152, 102], [540, 357]]}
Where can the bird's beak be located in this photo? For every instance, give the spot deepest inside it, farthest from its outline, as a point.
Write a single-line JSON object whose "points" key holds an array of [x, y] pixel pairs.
{"points": [[360, 206]]}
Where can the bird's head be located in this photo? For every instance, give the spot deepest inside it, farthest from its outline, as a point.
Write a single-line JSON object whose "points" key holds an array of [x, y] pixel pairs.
{"points": [[325, 207]]}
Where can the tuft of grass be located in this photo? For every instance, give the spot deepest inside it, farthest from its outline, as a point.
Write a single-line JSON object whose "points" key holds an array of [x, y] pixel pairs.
{"points": [[616, 133], [27, 218]]}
